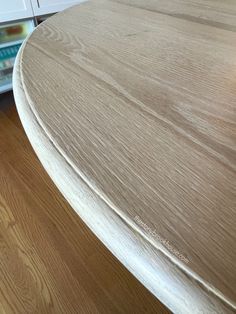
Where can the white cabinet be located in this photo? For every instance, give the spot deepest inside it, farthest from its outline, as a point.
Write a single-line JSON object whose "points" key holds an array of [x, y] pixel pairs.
{"points": [[20, 9], [15, 9], [41, 7]]}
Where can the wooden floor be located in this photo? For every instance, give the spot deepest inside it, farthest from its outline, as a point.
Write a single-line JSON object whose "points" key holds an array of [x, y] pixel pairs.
{"points": [[50, 262]]}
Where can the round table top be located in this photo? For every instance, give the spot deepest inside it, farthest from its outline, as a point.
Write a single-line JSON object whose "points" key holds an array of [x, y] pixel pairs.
{"points": [[132, 113]]}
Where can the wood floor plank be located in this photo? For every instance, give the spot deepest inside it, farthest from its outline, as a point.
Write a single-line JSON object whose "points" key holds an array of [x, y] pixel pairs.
{"points": [[50, 262]]}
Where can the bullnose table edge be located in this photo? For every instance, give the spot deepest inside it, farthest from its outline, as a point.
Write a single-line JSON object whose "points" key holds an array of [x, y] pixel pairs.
{"points": [[180, 290]]}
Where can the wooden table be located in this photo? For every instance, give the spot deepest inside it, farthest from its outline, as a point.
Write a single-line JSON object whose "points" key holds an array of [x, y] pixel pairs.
{"points": [[131, 108]]}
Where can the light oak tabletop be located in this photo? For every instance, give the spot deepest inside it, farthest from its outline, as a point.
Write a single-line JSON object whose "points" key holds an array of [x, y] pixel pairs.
{"points": [[131, 108]]}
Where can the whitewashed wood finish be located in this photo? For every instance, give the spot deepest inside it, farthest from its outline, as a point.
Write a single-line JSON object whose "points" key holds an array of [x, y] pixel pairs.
{"points": [[132, 112], [213, 12]]}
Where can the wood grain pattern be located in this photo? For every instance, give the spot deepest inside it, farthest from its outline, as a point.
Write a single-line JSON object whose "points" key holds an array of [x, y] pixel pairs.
{"points": [[50, 262], [133, 113], [220, 14]]}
